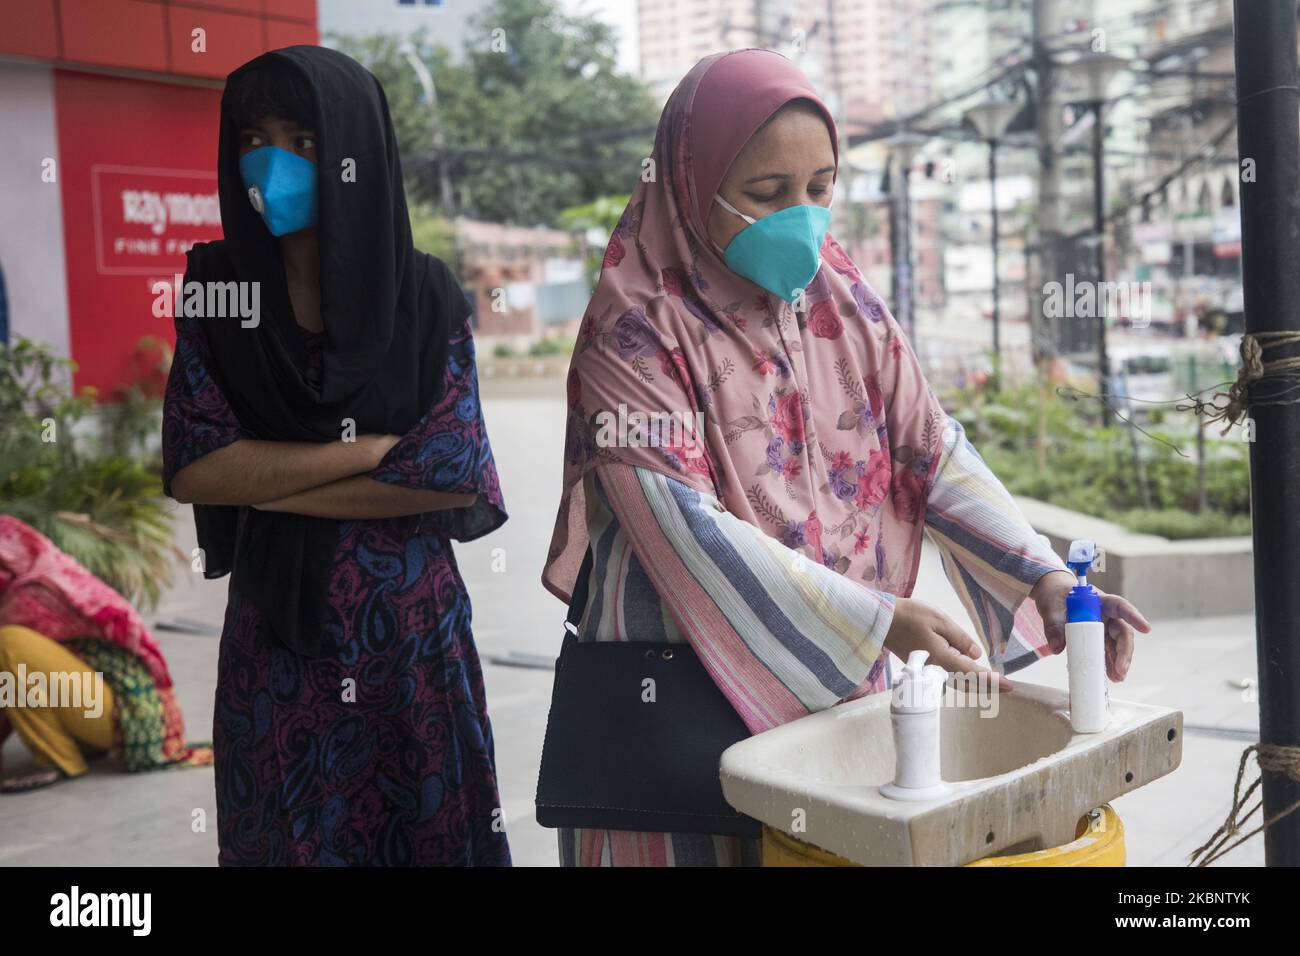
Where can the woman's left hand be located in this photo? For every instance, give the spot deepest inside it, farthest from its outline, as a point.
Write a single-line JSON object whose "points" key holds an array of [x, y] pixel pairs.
{"points": [[1118, 614]]}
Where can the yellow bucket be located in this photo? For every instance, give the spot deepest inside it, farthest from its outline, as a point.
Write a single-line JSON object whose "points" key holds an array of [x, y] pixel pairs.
{"points": [[1099, 841]]}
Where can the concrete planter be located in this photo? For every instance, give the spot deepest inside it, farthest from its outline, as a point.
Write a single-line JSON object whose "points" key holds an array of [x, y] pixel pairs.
{"points": [[1170, 579]]}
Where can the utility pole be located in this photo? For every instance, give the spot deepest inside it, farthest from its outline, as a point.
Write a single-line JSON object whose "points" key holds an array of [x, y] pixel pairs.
{"points": [[991, 119], [907, 304], [1099, 227], [993, 212], [1047, 127], [1268, 139], [422, 74]]}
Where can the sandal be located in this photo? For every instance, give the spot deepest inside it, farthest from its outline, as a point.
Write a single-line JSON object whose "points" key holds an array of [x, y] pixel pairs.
{"points": [[33, 779]]}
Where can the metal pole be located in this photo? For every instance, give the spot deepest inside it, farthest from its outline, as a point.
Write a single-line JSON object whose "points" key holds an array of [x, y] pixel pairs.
{"points": [[444, 174], [1047, 18], [1268, 137], [993, 205], [1099, 227], [895, 250], [909, 279], [430, 89]]}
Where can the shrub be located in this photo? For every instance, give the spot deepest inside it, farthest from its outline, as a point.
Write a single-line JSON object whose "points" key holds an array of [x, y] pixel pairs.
{"points": [[1174, 524], [1090, 468], [88, 494], [551, 345]]}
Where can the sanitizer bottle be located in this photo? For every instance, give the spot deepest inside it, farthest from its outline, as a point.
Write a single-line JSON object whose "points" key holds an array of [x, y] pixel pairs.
{"points": [[1085, 645], [914, 712]]}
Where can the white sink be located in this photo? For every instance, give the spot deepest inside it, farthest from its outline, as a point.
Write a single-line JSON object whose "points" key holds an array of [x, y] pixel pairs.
{"points": [[1021, 779]]}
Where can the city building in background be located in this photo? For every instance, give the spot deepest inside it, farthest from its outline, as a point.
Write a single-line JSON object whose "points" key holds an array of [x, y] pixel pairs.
{"points": [[1187, 239], [870, 58], [971, 39], [90, 90], [523, 281]]}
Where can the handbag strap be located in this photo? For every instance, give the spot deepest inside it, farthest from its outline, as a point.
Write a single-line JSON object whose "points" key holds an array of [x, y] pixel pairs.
{"points": [[578, 600]]}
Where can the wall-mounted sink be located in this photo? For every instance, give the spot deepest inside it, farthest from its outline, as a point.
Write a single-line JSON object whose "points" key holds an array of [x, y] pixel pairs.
{"points": [[1021, 778]]}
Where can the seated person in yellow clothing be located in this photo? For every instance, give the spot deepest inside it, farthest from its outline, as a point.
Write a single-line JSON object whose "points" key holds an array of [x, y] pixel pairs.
{"points": [[79, 672]]}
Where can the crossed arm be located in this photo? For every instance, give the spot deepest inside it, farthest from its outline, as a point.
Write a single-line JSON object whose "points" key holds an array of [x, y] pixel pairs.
{"points": [[325, 480]]}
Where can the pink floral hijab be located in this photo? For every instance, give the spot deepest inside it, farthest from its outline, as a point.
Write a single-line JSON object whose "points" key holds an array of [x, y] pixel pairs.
{"points": [[815, 426]]}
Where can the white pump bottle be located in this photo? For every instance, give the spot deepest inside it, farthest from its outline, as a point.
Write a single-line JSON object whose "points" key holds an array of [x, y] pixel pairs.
{"points": [[914, 712], [1085, 646]]}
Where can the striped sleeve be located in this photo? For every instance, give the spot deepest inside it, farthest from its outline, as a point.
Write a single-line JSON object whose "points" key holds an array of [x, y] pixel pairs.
{"points": [[781, 635], [991, 554]]}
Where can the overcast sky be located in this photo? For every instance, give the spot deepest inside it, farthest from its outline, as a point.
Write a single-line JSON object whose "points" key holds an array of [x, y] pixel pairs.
{"points": [[621, 15]]}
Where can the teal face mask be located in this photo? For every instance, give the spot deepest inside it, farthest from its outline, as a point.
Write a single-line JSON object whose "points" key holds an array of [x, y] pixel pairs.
{"points": [[780, 252]]}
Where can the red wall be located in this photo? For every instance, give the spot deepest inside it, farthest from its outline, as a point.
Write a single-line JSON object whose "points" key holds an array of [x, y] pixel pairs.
{"points": [[154, 35], [127, 136], [129, 147]]}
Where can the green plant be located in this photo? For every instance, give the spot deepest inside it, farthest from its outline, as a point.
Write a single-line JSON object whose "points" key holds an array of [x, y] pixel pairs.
{"points": [[434, 233], [89, 495], [551, 345], [1174, 524], [602, 215], [35, 400], [1090, 468], [129, 425]]}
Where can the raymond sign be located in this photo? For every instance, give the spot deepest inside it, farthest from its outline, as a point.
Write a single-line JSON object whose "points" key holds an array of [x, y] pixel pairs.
{"points": [[146, 219], [138, 176]]}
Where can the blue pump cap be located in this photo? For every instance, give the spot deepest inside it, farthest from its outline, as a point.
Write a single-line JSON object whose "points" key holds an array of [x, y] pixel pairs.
{"points": [[1083, 603]]}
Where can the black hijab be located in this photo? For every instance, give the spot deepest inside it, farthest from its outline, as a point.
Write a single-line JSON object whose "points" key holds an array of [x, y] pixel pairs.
{"points": [[386, 329]]}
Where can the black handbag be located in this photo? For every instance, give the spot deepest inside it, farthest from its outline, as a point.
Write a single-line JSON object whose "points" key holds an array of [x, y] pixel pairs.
{"points": [[624, 754]]}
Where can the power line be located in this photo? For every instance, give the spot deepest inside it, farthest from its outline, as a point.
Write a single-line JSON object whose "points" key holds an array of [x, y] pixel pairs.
{"points": [[1164, 183]]}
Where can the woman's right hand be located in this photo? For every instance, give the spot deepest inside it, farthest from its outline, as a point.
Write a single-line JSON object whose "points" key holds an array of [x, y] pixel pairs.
{"points": [[918, 626]]}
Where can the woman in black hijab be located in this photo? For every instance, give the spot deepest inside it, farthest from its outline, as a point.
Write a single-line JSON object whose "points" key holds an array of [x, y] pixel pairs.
{"points": [[332, 443]]}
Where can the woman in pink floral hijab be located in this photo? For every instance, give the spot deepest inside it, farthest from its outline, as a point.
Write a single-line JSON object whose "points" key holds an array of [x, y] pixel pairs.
{"points": [[754, 471]]}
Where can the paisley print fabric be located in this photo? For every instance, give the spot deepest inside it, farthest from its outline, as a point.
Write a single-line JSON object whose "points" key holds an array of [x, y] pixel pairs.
{"points": [[383, 753]]}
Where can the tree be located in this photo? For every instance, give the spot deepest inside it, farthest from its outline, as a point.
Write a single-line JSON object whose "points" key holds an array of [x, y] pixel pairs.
{"points": [[434, 233], [536, 119], [601, 216]]}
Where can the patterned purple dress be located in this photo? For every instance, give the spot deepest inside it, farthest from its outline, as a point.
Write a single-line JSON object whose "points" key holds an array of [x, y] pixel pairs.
{"points": [[382, 755]]}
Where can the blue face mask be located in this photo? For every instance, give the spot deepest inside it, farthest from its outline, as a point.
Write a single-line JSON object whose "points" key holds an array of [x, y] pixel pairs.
{"points": [[780, 252], [281, 187]]}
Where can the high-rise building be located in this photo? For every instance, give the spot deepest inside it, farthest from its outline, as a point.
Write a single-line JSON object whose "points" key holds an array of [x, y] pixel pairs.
{"points": [[870, 59], [974, 39]]}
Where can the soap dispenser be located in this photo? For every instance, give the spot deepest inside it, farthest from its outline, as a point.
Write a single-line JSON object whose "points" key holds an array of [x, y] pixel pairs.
{"points": [[1085, 645], [914, 712]]}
